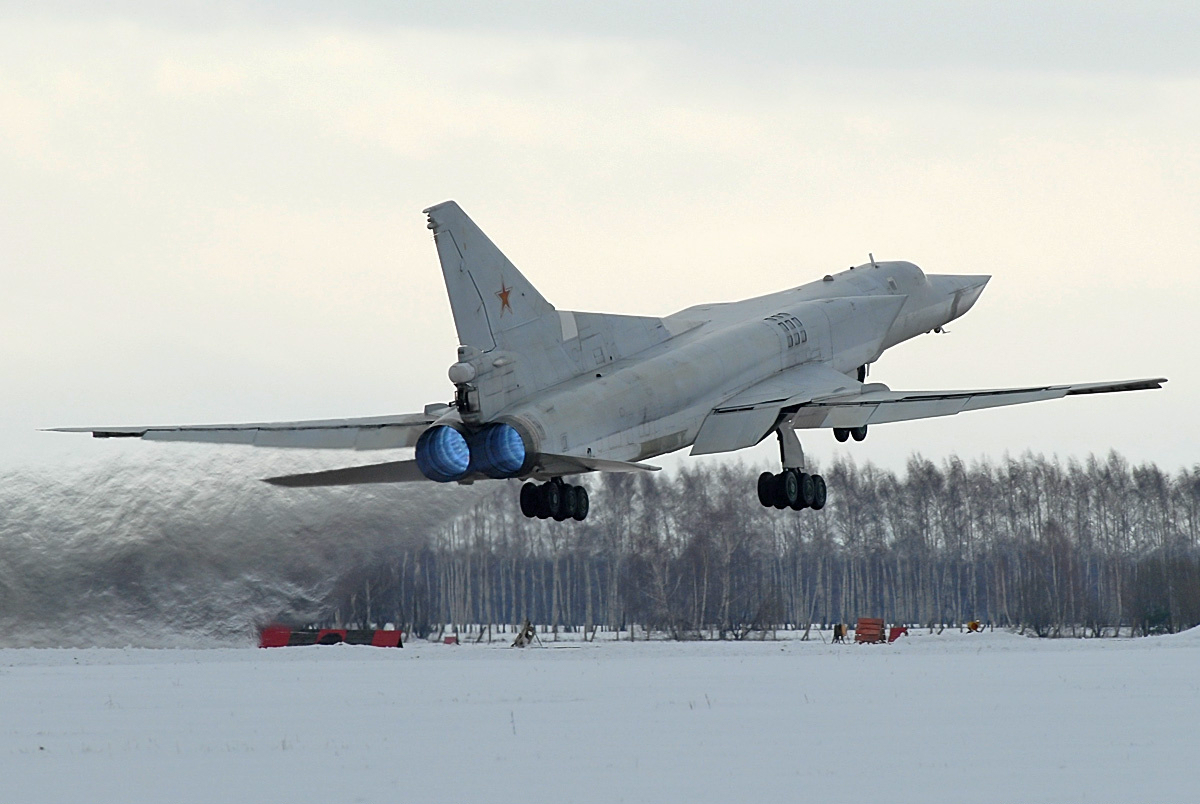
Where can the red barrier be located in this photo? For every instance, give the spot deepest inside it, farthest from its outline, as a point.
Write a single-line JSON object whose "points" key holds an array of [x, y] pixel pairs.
{"points": [[280, 636], [275, 636], [331, 636], [386, 639]]}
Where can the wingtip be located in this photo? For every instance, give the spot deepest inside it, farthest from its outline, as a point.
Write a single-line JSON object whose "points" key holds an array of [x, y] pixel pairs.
{"points": [[97, 432]]}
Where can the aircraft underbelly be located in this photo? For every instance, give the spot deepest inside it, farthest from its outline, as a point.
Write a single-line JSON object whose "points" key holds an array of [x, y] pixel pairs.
{"points": [[649, 407], [662, 444]]}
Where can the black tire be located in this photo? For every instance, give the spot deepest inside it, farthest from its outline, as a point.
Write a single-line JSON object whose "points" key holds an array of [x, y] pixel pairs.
{"points": [[841, 434], [808, 490], [858, 433], [582, 505], [822, 494], [566, 506], [543, 506], [798, 504], [766, 489], [552, 494], [529, 500], [789, 487], [778, 498]]}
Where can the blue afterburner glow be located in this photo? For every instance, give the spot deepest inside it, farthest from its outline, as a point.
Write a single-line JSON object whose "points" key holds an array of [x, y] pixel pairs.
{"points": [[442, 454], [498, 451]]}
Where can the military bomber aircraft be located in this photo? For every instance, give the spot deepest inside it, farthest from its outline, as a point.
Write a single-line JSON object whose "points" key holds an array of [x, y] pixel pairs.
{"points": [[545, 394]]}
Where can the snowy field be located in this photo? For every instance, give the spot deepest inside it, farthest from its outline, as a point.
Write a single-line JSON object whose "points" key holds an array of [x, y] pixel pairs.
{"points": [[950, 717]]}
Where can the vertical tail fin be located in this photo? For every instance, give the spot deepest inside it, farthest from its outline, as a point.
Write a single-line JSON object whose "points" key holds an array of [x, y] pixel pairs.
{"points": [[495, 308], [488, 295]]}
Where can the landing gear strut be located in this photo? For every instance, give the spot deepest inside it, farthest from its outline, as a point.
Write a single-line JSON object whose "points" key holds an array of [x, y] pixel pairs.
{"points": [[554, 500], [793, 487]]}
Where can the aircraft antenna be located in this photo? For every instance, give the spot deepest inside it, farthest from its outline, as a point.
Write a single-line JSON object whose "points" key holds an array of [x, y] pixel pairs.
{"points": [[872, 256]]}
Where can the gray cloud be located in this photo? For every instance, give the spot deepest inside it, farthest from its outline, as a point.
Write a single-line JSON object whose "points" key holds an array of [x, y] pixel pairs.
{"points": [[1090, 36]]}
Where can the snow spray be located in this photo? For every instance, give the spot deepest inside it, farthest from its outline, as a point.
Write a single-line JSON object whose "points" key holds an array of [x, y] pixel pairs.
{"points": [[187, 551]]}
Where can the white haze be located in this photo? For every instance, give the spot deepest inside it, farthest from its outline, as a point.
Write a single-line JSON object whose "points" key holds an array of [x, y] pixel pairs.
{"points": [[157, 552]]}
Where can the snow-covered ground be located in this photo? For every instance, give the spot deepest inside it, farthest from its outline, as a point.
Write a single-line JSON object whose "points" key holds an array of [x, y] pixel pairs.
{"points": [[950, 717]]}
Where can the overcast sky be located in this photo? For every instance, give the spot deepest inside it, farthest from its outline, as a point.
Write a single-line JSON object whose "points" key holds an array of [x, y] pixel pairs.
{"points": [[213, 212]]}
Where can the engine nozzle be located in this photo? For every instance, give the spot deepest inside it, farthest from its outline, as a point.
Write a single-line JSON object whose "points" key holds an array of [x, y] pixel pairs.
{"points": [[443, 454], [498, 451]]}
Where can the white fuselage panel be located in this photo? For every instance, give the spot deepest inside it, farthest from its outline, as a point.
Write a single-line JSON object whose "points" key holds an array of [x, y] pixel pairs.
{"points": [[655, 401]]}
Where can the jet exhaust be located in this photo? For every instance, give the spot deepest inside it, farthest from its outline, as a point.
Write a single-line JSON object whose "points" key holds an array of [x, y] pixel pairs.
{"points": [[498, 450], [443, 454]]}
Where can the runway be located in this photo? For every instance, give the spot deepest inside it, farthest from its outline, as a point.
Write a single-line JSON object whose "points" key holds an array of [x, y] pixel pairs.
{"points": [[961, 717]]}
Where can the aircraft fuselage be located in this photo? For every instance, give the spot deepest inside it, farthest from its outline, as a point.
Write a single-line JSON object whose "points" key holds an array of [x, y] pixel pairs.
{"points": [[655, 401]]}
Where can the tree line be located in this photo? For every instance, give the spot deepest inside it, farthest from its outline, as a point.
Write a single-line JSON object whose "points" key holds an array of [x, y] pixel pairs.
{"points": [[1049, 547]]}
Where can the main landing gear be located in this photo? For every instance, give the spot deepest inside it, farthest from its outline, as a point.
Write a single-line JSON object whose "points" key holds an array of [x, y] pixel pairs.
{"points": [[554, 500], [793, 487]]}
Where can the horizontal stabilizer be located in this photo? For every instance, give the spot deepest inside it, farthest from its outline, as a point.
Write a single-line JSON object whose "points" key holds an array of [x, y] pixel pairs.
{"points": [[389, 472], [407, 472], [561, 465]]}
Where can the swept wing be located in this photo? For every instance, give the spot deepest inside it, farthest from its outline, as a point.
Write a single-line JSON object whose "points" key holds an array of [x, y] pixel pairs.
{"points": [[876, 405], [406, 471], [373, 432], [816, 396]]}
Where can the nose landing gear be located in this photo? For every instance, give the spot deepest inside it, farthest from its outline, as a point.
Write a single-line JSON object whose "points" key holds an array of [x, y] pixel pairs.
{"points": [[793, 487], [554, 500], [843, 433]]}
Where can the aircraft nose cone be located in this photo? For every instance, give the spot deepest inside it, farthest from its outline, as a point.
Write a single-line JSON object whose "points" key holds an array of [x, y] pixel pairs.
{"points": [[969, 291], [962, 289]]}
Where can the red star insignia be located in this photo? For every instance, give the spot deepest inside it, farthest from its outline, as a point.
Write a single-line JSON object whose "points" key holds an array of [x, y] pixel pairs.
{"points": [[503, 294]]}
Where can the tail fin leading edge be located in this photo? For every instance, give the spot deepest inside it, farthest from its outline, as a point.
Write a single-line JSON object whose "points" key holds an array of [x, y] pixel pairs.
{"points": [[488, 295]]}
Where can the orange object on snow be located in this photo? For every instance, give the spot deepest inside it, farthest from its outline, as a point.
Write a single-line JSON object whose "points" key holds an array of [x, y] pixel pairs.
{"points": [[868, 629]]}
